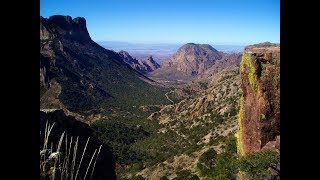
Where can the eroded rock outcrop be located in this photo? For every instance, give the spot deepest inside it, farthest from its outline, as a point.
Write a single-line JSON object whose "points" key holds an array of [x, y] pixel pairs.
{"points": [[65, 27], [151, 63], [259, 114], [142, 66]]}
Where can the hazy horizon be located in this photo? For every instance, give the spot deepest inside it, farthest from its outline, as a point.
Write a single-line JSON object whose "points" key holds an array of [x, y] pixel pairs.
{"points": [[159, 51], [223, 22]]}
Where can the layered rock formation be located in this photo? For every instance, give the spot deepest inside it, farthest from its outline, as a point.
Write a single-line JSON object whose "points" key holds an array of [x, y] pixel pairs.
{"points": [[142, 66], [259, 114]]}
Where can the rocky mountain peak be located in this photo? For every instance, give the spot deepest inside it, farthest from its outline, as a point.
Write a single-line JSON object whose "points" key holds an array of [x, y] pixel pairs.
{"points": [[125, 53], [64, 22], [193, 58], [64, 26], [189, 61], [149, 58], [151, 63], [81, 22], [126, 56], [67, 23], [197, 47]]}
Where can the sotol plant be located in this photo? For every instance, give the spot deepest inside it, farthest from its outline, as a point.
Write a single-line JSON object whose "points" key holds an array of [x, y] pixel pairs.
{"points": [[55, 164]]}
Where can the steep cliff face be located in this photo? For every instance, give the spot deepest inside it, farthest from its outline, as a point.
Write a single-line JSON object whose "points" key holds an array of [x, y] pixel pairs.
{"points": [[259, 114]]}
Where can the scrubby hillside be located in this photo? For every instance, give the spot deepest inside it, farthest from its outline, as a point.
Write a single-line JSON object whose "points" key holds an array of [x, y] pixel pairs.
{"points": [[183, 131], [81, 76]]}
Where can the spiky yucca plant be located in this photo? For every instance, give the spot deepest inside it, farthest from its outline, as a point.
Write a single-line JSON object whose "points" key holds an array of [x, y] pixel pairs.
{"points": [[55, 164]]}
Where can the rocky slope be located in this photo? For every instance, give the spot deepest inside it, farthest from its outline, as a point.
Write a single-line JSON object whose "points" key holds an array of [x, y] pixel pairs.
{"points": [[78, 74], [196, 123], [227, 60], [220, 97], [142, 66], [220, 88], [259, 114], [150, 63]]}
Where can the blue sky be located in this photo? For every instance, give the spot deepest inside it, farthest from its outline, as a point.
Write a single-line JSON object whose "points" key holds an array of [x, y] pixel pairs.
{"points": [[238, 22]]}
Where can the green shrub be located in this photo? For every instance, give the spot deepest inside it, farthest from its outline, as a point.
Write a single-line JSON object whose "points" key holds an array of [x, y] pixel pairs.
{"points": [[217, 118], [186, 175], [207, 162], [120, 137], [164, 178], [226, 166], [231, 145], [257, 165], [137, 167], [208, 157], [220, 166], [139, 177]]}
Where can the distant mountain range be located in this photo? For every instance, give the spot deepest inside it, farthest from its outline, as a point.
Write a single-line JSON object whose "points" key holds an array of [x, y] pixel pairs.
{"points": [[159, 51]]}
